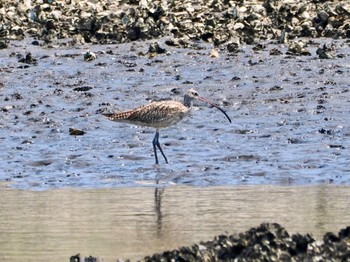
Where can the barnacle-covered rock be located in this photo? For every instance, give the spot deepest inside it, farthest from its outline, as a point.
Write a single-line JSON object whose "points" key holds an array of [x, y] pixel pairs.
{"points": [[233, 47], [28, 59], [325, 52], [267, 242], [76, 132], [155, 48], [297, 48], [216, 21], [89, 56], [3, 45]]}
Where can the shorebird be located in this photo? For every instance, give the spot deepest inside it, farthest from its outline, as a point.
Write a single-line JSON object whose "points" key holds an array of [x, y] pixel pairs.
{"points": [[160, 114]]}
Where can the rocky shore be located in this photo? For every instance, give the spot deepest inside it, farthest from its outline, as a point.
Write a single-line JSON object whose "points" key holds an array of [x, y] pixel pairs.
{"points": [[267, 242], [218, 21]]}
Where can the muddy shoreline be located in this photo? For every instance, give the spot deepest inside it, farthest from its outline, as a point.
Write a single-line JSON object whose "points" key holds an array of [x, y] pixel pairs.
{"points": [[265, 62], [289, 115]]}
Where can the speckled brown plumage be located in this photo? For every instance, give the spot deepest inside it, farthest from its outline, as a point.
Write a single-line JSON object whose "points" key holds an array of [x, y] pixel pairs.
{"points": [[159, 115], [156, 114]]}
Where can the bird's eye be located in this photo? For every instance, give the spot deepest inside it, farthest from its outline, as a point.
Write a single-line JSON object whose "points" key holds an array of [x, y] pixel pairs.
{"points": [[195, 93]]}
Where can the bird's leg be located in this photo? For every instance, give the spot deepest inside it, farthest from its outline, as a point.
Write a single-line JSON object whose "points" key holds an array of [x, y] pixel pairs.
{"points": [[156, 144], [166, 160], [155, 141]]}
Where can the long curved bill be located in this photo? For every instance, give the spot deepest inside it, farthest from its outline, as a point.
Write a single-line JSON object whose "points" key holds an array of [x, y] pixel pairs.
{"points": [[214, 105]]}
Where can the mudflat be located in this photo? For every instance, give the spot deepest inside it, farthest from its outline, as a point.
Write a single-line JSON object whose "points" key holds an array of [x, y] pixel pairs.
{"points": [[289, 115]]}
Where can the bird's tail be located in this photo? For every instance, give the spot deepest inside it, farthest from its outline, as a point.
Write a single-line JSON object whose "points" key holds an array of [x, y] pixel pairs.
{"points": [[117, 116]]}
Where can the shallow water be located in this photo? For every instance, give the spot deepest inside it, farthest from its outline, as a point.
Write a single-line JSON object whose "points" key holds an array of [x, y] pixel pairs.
{"points": [[135, 222], [290, 117]]}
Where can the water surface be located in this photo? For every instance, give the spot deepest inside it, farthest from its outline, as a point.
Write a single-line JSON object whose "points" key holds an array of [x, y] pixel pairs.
{"points": [[134, 222]]}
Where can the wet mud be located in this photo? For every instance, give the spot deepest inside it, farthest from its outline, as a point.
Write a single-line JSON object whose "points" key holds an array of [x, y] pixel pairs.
{"points": [[289, 111]]}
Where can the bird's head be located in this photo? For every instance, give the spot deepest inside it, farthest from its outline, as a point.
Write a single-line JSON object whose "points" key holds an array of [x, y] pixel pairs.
{"points": [[193, 94]]}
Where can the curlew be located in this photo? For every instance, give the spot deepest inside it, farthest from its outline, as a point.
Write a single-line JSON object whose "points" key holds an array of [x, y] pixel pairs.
{"points": [[160, 114]]}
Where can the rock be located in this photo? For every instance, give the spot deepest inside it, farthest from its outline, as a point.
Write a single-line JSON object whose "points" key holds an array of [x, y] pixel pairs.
{"points": [[297, 48], [155, 48], [268, 242], [218, 22], [28, 59], [3, 45], [214, 53], [89, 56], [326, 52], [76, 132]]}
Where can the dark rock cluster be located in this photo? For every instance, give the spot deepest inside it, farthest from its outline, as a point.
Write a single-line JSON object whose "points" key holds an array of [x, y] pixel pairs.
{"points": [[219, 21], [268, 242]]}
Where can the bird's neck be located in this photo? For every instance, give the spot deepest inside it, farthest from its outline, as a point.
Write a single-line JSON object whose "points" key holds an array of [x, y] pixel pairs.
{"points": [[187, 101]]}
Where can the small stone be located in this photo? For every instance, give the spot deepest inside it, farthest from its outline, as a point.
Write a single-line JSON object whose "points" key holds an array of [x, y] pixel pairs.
{"points": [[89, 56], [76, 132], [214, 53], [155, 48], [325, 52]]}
